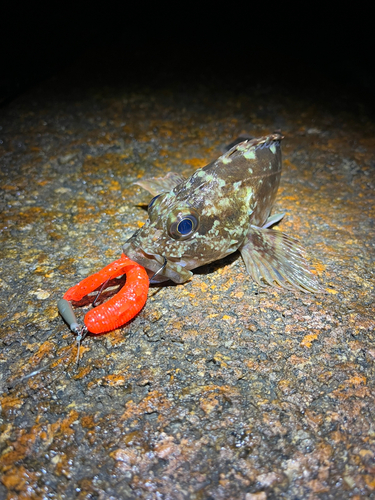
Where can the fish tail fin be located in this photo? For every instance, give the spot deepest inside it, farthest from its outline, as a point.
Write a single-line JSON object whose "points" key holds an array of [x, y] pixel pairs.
{"points": [[277, 259]]}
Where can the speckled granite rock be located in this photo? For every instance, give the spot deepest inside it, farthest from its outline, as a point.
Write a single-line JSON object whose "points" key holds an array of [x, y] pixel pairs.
{"points": [[215, 390]]}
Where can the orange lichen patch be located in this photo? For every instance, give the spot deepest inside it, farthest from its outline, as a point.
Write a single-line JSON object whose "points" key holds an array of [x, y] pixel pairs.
{"points": [[5, 432], [115, 380], [30, 213], [252, 365], [102, 164], [309, 339], [370, 481], [324, 451], [117, 337], [318, 266], [21, 480], [176, 325], [22, 446], [63, 465], [82, 350], [195, 162], [219, 358], [286, 387], [94, 383], [82, 218], [83, 372], [155, 401], [43, 183], [356, 380], [288, 198], [366, 453], [45, 349], [230, 281], [160, 163], [63, 426], [164, 153], [289, 164], [237, 294], [27, 217], [133, 437], [154, 315], [66, 264], [66, 355], [354, 386], [11, 402], [88, 421]]}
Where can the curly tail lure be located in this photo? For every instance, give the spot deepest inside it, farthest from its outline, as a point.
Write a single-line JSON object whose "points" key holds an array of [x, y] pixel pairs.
{"points": [[118, 310]]}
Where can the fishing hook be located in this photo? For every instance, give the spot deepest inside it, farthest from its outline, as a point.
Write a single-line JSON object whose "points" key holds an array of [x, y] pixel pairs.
{"points": [[160, 269]]}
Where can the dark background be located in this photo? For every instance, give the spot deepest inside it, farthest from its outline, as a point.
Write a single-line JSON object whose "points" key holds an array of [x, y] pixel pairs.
{"points": [[307, 51]]}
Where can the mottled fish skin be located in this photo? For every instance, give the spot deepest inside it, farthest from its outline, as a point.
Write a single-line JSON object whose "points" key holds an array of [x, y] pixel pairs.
{"points": [[221, 208]]}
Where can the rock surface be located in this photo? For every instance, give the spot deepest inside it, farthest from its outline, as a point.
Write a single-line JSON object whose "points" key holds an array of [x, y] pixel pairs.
{"points": [[216, 389]]}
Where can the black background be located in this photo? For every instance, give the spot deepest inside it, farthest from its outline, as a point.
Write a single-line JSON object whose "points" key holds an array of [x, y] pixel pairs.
{"points": [[305, 48]]}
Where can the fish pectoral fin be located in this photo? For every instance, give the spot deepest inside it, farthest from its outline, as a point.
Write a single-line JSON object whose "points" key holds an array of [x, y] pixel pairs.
{"points": [[159, 185], [274, 219], [277, 259]]}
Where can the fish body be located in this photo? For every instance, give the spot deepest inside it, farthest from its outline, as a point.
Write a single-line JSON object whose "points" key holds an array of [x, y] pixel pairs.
{"points": [[221, 208]]}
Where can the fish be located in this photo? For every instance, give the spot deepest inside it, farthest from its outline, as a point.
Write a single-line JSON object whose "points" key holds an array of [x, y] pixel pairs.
{"points": [[223, 207]]}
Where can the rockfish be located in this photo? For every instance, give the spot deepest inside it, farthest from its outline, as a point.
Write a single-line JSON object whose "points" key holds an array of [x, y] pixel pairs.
{"points": [[221, 208]]}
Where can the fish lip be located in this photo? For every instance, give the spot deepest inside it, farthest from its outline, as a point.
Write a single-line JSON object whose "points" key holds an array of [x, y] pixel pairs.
{"points": [[151, 262]]}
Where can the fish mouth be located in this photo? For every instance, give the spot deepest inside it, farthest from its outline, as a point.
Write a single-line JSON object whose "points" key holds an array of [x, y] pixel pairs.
{"points": [[152, 263]]}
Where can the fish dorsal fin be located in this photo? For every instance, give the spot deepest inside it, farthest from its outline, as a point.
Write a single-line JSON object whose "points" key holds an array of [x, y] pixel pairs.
{"points": [[247, 148], [159, 185], [238, 140], [277, 259]]}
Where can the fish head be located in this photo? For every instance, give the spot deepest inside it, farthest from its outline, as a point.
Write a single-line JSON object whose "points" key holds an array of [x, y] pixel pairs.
{"points": [[180, 230]]}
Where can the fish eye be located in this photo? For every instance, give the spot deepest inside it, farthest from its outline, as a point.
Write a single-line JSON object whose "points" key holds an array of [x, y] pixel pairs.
{"points": [[153, 201], [184, 226]]}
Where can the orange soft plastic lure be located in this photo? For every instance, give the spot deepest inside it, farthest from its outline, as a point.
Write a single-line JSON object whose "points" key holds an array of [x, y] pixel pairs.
{"points": [[122, 307]]}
